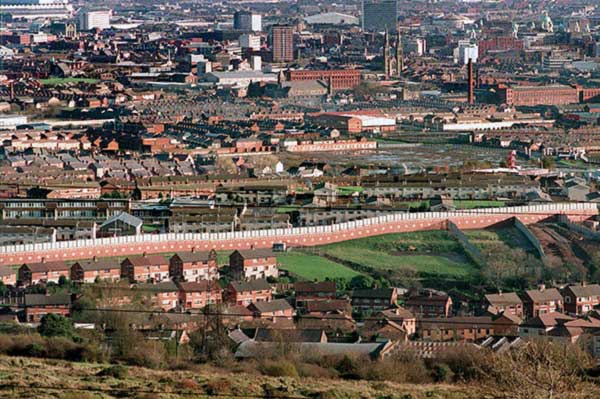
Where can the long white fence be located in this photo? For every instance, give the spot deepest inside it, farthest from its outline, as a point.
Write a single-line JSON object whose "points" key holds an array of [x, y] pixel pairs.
{"points": [[554, 208]]}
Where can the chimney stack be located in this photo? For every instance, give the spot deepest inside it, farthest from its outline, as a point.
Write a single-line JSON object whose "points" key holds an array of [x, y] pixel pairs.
{"points": [[471, 96]]}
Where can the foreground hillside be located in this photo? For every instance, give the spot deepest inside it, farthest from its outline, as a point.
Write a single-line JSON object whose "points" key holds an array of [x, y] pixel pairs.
{"points": [[38, 378]]}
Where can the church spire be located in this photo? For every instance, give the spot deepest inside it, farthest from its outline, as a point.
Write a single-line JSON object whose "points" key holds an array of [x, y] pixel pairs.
{"points": [[399, 55], [386, 55]]}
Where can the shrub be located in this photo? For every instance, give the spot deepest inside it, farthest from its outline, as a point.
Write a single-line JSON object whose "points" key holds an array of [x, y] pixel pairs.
{"points": [[394, 369], [6, 343], [117, 371], [22, 345], [93, 352], [62, 348], [53, 325], [278, 368], [219, 386], [35, 350], [442, 373], [315, 371], [348, 367], [143, 353], [467, 363]]}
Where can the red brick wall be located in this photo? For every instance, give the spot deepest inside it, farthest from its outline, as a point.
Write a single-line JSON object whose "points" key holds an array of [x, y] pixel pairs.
{"points": [[463, 222]]}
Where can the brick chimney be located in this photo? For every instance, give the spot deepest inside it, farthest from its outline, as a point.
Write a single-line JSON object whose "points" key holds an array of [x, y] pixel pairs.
{"points": [[471, 88], [542, 287]]}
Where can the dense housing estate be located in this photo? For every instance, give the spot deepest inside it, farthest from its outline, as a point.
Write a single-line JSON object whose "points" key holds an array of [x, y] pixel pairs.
{"points": [[355, 180]]}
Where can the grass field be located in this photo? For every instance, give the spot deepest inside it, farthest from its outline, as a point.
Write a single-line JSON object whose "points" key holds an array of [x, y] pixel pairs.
{"points": [[56, 379], [471, 204], [494, 238], [287, 208], [434, 252], [59, 81], [349, 190], [313, 267]]}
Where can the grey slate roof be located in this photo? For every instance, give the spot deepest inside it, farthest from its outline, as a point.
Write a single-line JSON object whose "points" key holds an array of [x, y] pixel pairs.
{"points": [[271, 306], [125, 218], [47, 300], [253, 285]]}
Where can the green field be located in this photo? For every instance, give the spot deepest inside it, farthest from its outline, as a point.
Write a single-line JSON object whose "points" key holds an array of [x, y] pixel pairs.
{"points": [[287, 208], [434, 252], [471, 204], [496, 239], [313, 267], [60, 81], [349, 190]]}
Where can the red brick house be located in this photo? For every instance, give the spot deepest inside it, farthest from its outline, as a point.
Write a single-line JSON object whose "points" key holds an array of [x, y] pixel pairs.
{"points": [[272, 310], [307, 291], [8, 276], [542, 301], [391, 321], [198, 294], [581, 299], [253, 264], [246, 292], [373, 300], [507, 303], [328, 306], [87, 271], [542, 324], [194, 266], [163, 295], [39, 305], [468, 328], [234, 314], [145, 268], [429, 305], [43, 272], [506, 324]]}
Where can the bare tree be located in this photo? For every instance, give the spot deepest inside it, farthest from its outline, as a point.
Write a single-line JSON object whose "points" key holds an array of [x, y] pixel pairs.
{"points": [[541, 369]]}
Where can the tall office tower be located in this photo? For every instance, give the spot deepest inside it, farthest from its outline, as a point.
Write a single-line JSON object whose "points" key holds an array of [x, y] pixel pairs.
{"points": [[89, 20], [282, 41], [247, 21], [379, 15]]}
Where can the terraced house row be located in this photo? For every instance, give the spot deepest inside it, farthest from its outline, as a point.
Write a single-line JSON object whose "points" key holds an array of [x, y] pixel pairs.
{"points": [[191, 266]]}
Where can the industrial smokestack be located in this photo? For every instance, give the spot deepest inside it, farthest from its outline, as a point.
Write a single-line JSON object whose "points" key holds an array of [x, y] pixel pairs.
{"points": [[471, 96]]}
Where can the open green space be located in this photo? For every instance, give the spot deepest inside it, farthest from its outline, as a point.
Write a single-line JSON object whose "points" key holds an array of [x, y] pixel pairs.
{"points": [[431, 252], [349, 190], [60, 81], [415, 205], [313, 267], [471, 204], [498, 238], [287, 208]]}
